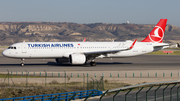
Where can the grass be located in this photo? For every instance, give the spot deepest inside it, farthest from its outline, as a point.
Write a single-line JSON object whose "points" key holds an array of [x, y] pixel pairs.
{"points": [[19, 76], [38, 90], [4, 46], [52, 87], [114, 85]]}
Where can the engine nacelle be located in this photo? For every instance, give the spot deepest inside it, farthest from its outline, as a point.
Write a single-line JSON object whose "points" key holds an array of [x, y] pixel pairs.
{"points": [[62, 60], [77, 58]]}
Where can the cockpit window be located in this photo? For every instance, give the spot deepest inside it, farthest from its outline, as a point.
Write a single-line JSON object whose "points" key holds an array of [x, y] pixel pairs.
{"points": [[11, 47]]}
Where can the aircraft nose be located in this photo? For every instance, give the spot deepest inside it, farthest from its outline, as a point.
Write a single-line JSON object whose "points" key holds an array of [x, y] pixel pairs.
{"points": [[5, 53]]}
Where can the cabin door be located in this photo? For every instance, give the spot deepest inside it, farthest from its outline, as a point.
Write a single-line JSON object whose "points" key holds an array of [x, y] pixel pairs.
{"points": [[24, 48]]}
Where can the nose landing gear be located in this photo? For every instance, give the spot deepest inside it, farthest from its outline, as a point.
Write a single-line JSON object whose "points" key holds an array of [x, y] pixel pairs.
{"points": [[22, 62]]}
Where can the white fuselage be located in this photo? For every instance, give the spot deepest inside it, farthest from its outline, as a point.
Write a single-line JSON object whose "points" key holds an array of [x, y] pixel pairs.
{"points": [[64, 49]]}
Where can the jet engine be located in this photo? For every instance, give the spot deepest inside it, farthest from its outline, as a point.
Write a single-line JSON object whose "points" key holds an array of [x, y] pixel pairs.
{"points": [[77, 58]]}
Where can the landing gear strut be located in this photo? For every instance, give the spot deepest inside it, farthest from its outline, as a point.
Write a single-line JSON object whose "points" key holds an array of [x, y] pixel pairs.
{"points": [[22, 62], [93, 63]]}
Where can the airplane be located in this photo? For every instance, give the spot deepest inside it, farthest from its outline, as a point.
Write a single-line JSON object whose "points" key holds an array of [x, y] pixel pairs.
{"points": [[78, 53]]}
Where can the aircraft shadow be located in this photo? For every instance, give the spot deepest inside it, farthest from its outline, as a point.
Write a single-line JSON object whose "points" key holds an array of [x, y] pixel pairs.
{"points": [[84, 65], [64, 64]]}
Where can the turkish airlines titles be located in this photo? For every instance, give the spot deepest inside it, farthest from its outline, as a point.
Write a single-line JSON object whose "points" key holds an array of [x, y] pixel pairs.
{"points": [[50, 45]]}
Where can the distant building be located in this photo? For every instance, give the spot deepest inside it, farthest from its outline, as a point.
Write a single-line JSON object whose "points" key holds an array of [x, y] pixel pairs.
{"points": [[127, 22]]}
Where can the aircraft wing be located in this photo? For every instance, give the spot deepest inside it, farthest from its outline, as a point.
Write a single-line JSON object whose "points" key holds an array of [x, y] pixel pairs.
{"points": [[160, 46], [97, 53]]}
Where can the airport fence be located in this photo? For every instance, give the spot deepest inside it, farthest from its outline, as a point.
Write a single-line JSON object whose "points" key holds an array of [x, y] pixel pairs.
{"points": [[94, 80], [86, 81], [26, 79], [98, 74], [155, 91]]}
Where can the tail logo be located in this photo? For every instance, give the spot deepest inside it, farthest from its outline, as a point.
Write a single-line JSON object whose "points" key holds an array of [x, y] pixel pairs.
{"points": [[157, 35]]}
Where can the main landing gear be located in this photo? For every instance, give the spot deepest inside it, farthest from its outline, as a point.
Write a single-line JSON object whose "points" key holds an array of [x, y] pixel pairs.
{"points": [[22, 62], [93, 63]]}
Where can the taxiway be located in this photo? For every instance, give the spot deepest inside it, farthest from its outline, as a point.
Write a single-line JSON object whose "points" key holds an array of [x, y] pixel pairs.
{"points": [[144, 62]]}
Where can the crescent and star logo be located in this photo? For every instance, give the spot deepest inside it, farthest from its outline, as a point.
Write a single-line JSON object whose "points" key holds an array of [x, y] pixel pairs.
{"points": [[157, 34]]}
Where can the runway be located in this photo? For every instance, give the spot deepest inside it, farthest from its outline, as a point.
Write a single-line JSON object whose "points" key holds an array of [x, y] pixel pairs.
{"points": [[143, 62]]}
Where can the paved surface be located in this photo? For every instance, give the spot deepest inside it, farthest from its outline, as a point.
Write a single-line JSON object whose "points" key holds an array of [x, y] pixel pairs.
{"points": [[148, 65], [144, 62], [140, 64], [142, 95]]}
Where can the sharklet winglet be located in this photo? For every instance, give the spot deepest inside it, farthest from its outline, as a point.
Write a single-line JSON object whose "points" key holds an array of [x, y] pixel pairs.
{"points": [[133, 44]]}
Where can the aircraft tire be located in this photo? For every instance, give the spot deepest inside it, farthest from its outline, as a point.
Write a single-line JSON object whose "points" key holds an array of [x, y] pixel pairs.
{"points": [[93, 63], [22, 64]]}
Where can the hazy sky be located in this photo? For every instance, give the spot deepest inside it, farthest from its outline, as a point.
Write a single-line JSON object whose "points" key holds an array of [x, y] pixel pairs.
{"points": [[91, 11]]}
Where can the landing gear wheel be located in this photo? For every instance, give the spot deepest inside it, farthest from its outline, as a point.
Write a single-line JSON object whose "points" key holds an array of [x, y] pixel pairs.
{"points": [[93, 63], [22, 64]]}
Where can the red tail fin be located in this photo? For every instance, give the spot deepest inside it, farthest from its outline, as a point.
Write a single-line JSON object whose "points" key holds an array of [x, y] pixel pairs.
{"points": [[157, 34]]}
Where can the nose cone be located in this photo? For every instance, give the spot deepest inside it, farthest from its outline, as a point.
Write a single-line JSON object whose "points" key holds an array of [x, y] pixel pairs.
{"points": [[5, 53]]}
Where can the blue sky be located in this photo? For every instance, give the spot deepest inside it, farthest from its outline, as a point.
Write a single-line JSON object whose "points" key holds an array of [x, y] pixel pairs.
{"points": [[91, 11]]}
